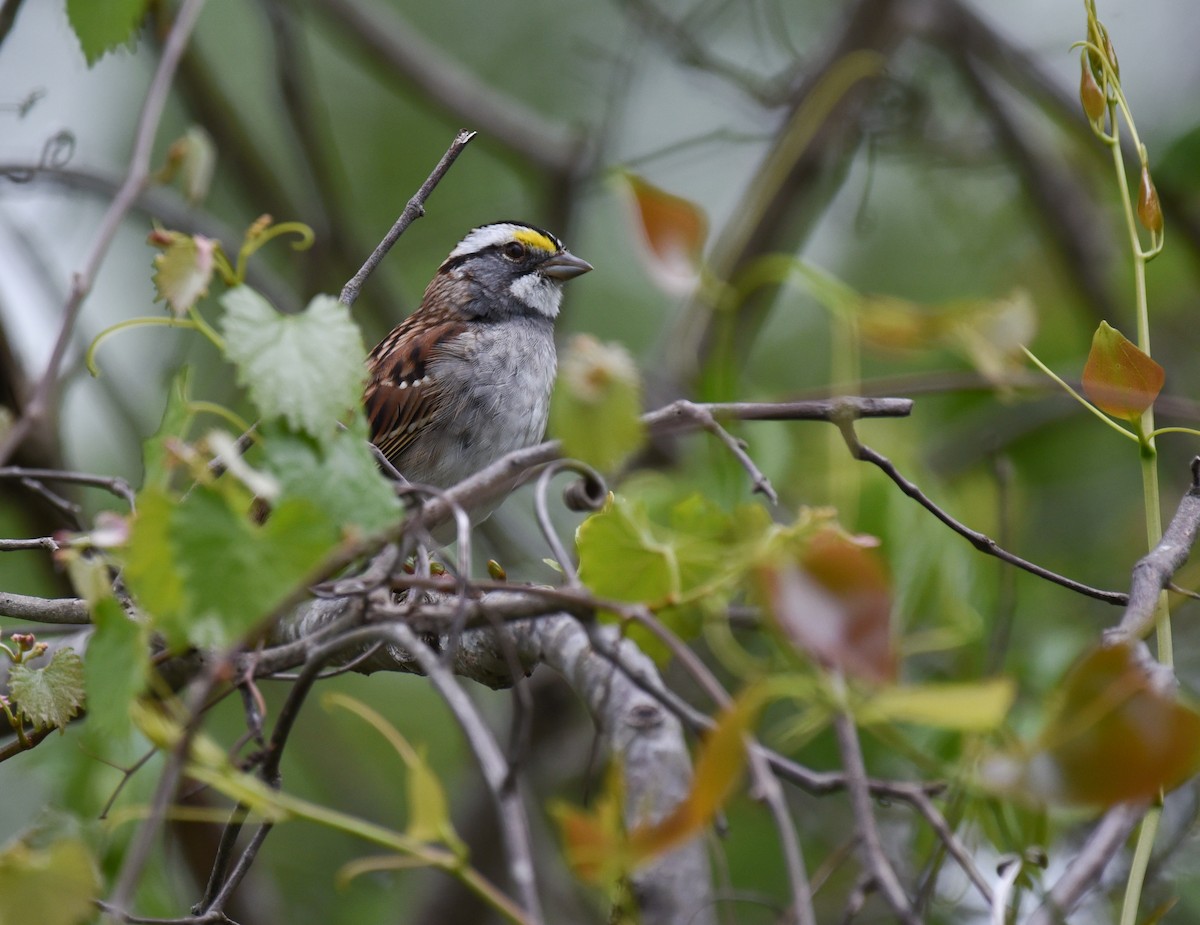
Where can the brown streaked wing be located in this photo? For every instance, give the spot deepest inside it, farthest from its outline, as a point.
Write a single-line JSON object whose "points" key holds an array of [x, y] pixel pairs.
{"points": [[400, 396]]}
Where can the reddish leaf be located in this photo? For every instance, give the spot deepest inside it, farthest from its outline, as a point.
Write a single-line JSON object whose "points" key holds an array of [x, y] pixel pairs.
{"points": [[836, 605], [1115, 735], [674, 231], [1119, 378]]}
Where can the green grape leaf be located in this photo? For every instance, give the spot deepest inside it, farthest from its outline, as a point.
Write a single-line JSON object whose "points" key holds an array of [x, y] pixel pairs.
{"points": [[1118, 377], [150, 569], [51, 885], [183, 270], [340, 477], [307, 368], [49, 696], [620, 556], [677, 568], [206, 574], [156, 460], [597, 406], [117, 662], [102, 25]]}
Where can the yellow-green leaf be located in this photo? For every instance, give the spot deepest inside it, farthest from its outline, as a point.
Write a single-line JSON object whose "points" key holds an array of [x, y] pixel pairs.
{"points": [[183, 270], [972, 706], [51, 885]]}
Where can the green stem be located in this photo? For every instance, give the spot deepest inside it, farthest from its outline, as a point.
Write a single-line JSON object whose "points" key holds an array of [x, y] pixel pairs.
{"points": [[1141, 862], [1150, 490]]}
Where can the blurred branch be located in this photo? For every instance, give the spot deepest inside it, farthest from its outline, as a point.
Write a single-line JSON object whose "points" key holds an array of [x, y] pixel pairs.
{"points": [[442, 79], [1065, 210], [679, 41], [796, 177], [8, 16], [875, 862], [42, 610], [166, 204], [1085, 869], [112, 484], [135, 180]]}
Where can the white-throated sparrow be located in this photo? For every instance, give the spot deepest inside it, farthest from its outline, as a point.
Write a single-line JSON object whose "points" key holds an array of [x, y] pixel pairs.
{"points": [[467, 377]]}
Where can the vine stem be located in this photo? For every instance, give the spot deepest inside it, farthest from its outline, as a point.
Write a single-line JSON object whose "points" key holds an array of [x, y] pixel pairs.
{"points": [[1149, 472]]}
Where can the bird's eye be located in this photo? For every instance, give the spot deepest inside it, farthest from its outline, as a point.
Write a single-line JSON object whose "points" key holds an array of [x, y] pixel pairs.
{"points": [[514, 250]]}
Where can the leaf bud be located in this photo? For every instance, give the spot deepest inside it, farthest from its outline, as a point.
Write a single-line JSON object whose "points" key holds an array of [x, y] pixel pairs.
{"points": [[1149, 209], [1090, 94]]}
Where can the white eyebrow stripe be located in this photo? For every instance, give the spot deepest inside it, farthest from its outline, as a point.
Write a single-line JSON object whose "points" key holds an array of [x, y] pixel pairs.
{"points": [[487, 236]]}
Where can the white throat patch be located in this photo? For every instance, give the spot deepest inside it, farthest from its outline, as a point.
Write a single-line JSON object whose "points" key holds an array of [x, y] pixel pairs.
{"points": [[542, 295]]}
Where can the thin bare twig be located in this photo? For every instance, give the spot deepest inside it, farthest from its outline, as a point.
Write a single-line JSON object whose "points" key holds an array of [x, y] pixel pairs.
{"points": [[136, 178], [414, 209], [874, 860], [980, 541], [69, 610], [112, 484], [47, 543]]}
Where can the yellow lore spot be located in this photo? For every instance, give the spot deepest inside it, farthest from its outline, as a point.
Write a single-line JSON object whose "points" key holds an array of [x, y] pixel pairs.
{"points": [[536, 240]]}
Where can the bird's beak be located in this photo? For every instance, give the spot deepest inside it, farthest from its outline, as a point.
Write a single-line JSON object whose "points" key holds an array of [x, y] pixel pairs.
{"points": [[564, 266]]}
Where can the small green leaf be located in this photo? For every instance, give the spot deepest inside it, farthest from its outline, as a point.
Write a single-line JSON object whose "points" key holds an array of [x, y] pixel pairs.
{"points": [[117, 662], [102, 25], [620, 557], [1118, 377], [597, 404], [54, 885], [428, 809], [306, 368], [972, 706], [174, 425], [183, 270], [340, 477], [194, 158], [49, 696]]}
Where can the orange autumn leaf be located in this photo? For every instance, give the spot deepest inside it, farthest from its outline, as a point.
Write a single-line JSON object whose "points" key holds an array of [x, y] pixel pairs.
{"points": [[719, 767], [673, 230]]}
